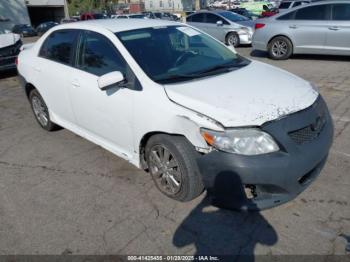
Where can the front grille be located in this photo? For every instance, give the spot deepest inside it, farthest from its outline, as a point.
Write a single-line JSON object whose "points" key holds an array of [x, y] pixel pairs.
{"points": [[309, 133]]}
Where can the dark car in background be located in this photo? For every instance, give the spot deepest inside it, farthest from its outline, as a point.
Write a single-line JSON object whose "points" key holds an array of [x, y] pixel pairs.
{"points": [[44, 27], [244, 12], [92, 16], [24, 30]]}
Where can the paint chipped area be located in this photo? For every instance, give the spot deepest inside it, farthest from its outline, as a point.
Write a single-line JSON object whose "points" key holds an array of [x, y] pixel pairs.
{"points": [[250, 96]]}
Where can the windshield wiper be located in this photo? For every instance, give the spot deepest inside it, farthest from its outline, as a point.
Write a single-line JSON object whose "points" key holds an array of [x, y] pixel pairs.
{"points": [[174, 78], [223, 68], [227, 67]]}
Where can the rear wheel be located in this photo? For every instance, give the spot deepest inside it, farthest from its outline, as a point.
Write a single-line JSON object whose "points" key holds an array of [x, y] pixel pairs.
{"points": [[172, 163], [232, 39], [280, 48], [41, 111]]}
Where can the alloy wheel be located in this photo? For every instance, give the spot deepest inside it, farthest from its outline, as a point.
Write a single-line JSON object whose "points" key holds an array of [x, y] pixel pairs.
{"points": [[40, 111], [279, 48], [165, 170], [232, 40]]}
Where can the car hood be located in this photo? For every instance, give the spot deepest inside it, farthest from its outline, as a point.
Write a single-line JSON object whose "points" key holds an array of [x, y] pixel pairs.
{"points": [[8, 39], [249, 96]]}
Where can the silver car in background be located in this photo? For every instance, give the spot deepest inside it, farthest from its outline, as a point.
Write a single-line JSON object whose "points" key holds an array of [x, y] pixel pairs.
{"points": [[317, 28], [286, 5], [228, 27]]}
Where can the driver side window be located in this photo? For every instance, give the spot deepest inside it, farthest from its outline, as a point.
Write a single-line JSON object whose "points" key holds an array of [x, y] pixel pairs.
{"points": [[98, 56]]}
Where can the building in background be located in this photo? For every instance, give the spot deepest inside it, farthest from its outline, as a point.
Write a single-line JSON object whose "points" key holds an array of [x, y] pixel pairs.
{"points": [[169, 5], [33, 11]]}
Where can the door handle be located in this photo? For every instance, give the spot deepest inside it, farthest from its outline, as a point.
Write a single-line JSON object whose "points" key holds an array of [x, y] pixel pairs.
{"points": [[334, 28], [75, 83], [293, 27], [38, 69]]}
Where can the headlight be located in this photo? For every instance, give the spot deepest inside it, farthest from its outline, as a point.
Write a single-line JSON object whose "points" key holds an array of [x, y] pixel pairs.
{"points": [[244, 141]]}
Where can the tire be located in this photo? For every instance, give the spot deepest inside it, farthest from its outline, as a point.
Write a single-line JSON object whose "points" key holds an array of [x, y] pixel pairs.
{"points": [[232, 39], [182, 167], [280, 48], [41, 111]]}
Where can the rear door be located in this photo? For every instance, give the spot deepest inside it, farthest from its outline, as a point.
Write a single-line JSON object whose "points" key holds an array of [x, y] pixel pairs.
{"points": [[308, 27], [197, 20], [338, 35], [54, 61]]}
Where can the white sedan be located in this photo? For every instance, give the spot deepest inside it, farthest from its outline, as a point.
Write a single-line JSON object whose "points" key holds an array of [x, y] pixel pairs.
{"points": [[174, 101]]}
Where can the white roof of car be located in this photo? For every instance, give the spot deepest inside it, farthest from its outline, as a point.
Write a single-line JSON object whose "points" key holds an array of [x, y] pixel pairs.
{"points": [[117, 25]]}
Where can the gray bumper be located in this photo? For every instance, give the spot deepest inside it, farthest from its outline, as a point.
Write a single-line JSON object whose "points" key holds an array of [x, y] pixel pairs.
{"points": [[273, 178]]}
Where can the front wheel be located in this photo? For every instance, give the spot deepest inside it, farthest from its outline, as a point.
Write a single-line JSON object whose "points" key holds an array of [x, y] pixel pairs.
{"points": [[172, 163], [232, 39], [41, 111], [280, 48]]}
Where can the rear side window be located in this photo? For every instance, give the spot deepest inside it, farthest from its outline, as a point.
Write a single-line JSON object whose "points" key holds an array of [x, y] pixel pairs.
{"points": [[99, 56], [288, 16], [59, 46], [318, 12], [341, 12], [197, 18]]}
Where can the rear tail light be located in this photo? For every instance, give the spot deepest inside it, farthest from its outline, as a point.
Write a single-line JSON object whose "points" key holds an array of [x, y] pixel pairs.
{"points": [[16, 61], [259, 25]]}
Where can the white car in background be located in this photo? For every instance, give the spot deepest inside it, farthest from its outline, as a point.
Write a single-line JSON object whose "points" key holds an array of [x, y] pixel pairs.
{"points": [[10, 44], [178, 103]]}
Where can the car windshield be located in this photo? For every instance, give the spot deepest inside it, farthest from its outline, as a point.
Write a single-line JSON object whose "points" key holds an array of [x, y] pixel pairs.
{"points": [[172, 54], [233, 17]]}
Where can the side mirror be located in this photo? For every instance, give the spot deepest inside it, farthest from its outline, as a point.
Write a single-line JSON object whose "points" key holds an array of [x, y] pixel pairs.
{"points": [[219, 23], [114, 78]]}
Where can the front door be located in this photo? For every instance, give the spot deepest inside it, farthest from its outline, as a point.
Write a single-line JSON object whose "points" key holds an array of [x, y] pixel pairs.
{"points": [[105, 115]]}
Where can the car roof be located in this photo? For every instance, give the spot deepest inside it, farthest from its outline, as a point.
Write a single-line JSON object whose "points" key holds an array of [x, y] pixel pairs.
{"points": [[315, 3], [117, 25]]}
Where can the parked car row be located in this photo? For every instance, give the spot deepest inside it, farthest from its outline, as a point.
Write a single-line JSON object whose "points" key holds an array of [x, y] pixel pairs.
{"points": [[316, 28], [25, 30]]}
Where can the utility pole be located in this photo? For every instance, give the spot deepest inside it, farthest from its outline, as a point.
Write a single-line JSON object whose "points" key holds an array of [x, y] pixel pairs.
{"points": [[197, 5]]}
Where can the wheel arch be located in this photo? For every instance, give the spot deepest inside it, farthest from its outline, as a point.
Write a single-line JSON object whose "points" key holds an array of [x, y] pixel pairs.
{"points": [[143, 143], [28, 87]]}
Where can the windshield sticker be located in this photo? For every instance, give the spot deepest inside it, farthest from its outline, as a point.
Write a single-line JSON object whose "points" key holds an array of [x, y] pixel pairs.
{"points": [[188, 31]]}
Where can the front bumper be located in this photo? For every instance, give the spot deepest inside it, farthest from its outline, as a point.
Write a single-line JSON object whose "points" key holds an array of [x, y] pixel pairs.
{"points": [[245, 39], [275, 178]]}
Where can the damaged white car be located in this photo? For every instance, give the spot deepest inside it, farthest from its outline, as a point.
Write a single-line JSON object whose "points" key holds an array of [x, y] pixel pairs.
{"points": [[10, 45], [174, 101]]}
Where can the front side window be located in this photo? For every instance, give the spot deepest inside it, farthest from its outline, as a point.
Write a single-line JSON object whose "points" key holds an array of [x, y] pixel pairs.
{"points": [[99, 56], [177, 53], [341, 12], [318, 12], [59, 46]]}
